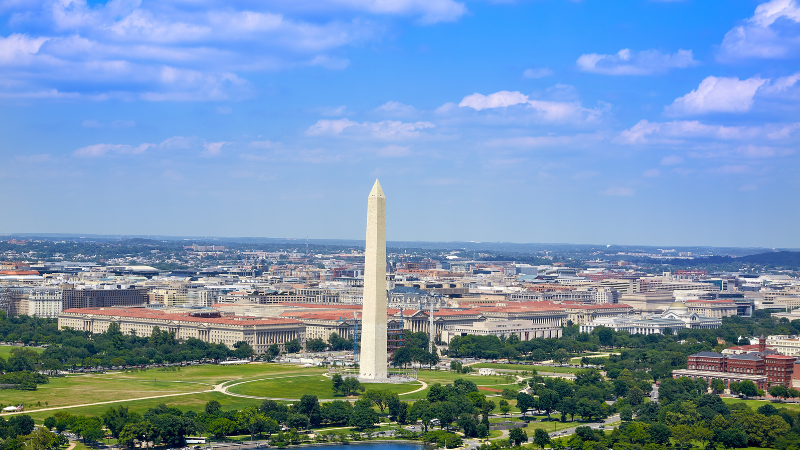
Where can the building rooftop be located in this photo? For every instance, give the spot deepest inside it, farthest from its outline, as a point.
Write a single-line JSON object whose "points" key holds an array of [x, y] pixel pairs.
{"points": [[709, 355], [153, 314]]}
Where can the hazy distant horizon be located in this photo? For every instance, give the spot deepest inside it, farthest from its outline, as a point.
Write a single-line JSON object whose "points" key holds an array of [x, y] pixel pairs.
{"points": [[423, 244]]}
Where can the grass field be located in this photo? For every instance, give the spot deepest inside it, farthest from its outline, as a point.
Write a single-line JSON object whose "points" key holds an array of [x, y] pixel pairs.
{"points": [[522, 367], [67, 391], [195, 402], [297, 386], [756, 403], [446, 377], [5, 350], [193, 386], [117, 386]]}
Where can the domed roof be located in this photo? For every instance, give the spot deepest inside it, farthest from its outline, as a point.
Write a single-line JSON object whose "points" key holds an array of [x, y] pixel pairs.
{"points": [[678, 306]]}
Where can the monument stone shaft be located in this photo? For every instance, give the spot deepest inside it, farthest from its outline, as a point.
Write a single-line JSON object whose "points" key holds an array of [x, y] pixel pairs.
{"points": [[373, 321]]}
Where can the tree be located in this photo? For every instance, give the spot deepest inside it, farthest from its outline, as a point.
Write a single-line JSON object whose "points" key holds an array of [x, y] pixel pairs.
{"points": [[635, 396], [525, 402], [379, 397], [446, 412], [541, 438], [468, 425], [298, 421], [293, 346], [660, 433], [251, 419], [548, 399], [213, 408], [350, 386], [243, 350], [748, 388], [40, 439], [115, 419], [50, 422], [273, 351], [363, 416], [316, 345], [717, 385], [683, 434], [88, 427], [309, 405], [568, 406], [222, 427], [133, 432], [779, 391], [626, 413], [504, 406], [421, 409], [517, 436], [605, 336], [337, 383], [336, 412], [703, 434]]}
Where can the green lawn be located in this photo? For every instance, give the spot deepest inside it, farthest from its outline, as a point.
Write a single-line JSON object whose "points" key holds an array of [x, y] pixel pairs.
{"points": [[522, 367], [78, 390], [447, 377], [195, 402], [295, 387], [519, 367], [756, 403], [126, 386], [5, 350]]}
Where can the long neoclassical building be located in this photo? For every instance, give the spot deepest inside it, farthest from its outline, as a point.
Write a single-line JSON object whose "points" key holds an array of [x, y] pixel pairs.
{"points": [[207, 326]]}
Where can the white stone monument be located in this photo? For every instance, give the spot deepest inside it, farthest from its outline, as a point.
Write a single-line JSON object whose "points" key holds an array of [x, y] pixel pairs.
{"points": [[372, 364]]}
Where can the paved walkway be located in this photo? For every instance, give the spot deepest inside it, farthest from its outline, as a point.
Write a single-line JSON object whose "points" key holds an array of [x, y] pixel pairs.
{"points": [[107, 402], [223, 388]]}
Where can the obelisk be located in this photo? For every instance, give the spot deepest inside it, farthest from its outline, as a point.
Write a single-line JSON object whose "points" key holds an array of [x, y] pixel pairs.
{"points": [[373, 317]]}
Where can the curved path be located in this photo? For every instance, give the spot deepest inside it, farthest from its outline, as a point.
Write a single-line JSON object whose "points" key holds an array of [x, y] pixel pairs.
{"points": [[223, 388]]}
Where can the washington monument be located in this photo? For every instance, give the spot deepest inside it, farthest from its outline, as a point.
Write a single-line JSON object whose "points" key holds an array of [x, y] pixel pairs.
{"points": [[373, 321]]}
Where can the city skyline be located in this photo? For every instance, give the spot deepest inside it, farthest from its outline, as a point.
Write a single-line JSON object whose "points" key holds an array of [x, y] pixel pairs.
{"points": [[641, 123]]}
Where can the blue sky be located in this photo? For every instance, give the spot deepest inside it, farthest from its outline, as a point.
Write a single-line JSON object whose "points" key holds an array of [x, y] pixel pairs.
{"points": [[635, 122]]}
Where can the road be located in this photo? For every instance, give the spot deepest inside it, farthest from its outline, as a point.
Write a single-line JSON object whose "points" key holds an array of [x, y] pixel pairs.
{"points": [[569, 431]]}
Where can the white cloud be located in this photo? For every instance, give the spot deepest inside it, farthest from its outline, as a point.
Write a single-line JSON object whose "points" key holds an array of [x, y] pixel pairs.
{"points": [[396, 109], [500, 99], [338, 111], [548, 111], [540, 72], [717, 94], [91, 123], [546, 141], [262, 144], [619, 192], [97, 150], [387, 129], [213, 148], [36, 159], [180, 51], [394, 151], [18, 48], [651, 173], [678, 131], [329, 127], [625, 62], [732, 169], [446, 108], [759, 37], [749, 187], [671, 160]]}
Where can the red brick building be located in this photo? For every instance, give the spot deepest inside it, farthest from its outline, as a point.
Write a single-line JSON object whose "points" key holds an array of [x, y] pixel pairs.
{"points": [[763, 367]]}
